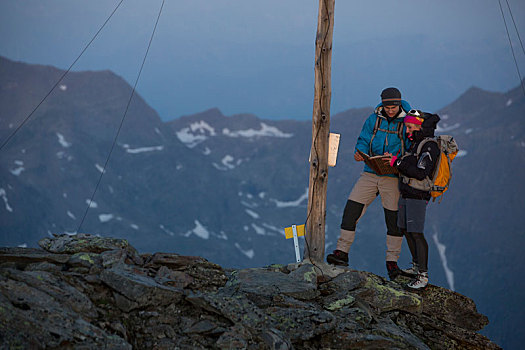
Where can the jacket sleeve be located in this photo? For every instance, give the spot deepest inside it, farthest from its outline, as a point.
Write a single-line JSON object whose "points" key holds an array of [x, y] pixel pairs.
{"points": [[425, 164], [363, 141]]}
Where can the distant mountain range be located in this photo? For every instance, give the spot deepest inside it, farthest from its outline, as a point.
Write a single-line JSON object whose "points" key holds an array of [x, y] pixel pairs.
{"points": [[224, 187]]}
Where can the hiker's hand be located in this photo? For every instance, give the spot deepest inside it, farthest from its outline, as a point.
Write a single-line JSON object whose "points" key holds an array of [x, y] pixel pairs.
{"points": [[389, 159], [358, 157]]}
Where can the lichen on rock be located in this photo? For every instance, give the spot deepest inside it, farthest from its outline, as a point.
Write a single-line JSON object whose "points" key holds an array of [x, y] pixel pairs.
{"points": [[91, 292]]}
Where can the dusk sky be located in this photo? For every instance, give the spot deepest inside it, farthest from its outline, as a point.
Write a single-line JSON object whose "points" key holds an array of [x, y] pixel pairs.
{"points": [[257, 56]]}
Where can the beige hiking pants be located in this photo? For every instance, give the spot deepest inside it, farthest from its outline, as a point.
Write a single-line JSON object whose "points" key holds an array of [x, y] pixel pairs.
{"points": [[365, 191]]}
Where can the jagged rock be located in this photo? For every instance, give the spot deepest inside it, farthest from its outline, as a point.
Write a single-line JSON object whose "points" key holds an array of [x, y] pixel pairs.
{"points": [[82, 243], [53, 286], [136, 290], [453, 308], [386, 296], [169, 277], [89, 292], [262, 285], [199, 273], [25, 256], [33, 318]]}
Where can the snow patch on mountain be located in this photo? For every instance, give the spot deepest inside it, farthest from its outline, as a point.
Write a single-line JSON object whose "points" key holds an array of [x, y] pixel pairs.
{"points": [[249, 205], [3, 194], [17, 171], [166, 230], [252, 213], [62, 155], [264, 131], [202, 127], [222, 235], [196, 133], [189, 139], [228, 163], [92, 204], [142, 149], [273, 228], [100, 168], [509, 102], [249, 253], [105, 217], [293, 203], [442, 249], [62, 87], [259, 230], [71, 215], [199, 230], [62, 140], [446, 127]]}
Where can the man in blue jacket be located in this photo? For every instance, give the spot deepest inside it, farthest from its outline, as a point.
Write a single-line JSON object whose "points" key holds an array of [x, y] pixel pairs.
{"points": [[382, 133]]}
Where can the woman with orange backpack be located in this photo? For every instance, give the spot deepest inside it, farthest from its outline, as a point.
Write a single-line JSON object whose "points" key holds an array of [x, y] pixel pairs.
{"points": [[416, 165]]}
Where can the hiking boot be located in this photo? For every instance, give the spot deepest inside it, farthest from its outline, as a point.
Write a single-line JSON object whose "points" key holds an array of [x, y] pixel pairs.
{"points": [[338, 257], [392, 269], [420, 282], [412, 271]]}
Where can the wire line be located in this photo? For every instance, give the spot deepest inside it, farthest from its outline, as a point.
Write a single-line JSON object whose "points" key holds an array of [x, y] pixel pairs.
{"points": [[123, 118], [515, 27], [61, 78], [511, 48]]}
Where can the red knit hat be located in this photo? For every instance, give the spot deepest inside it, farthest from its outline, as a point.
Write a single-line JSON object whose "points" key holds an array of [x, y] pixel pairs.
{"points": [[414, 117]]}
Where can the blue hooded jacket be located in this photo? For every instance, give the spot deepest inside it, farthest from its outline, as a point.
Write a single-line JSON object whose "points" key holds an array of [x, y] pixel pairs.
{"points": [[383, 141]]}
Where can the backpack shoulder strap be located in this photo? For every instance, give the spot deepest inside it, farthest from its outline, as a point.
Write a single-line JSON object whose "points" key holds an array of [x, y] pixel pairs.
{"points": [[374, 132], [400, 136], [422, 143]]}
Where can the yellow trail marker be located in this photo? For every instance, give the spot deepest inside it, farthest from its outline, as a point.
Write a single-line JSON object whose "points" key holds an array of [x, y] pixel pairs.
{"points": [[294, 232], [288, 232]]}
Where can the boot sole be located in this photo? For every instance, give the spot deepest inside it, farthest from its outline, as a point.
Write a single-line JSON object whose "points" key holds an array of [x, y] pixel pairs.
{"points": [[335, 261]]}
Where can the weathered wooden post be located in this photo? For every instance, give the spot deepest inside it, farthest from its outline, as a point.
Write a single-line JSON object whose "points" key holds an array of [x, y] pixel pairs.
{"points": [[315, 232]]}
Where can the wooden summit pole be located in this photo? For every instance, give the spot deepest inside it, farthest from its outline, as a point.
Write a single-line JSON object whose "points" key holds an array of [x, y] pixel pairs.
{"points": [[315, 226]]}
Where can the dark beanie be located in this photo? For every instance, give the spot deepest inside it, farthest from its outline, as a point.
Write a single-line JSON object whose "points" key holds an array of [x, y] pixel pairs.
{"points": [[391, 96]]}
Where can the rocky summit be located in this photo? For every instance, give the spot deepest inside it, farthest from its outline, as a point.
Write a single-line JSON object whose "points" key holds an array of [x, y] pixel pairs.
{"points": [[89, 292]]}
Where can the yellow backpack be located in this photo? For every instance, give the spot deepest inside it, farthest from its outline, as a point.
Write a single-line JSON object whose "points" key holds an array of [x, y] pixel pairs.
{"points": [[440, 181]]}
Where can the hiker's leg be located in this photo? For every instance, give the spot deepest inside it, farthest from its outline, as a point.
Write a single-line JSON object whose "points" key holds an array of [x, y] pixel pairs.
{"points": [[415, 215], [394, 237], [411, 241], [363, 193], [422, 250], [416, 212], [353, 211], [389, 192], [402, 225]]}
